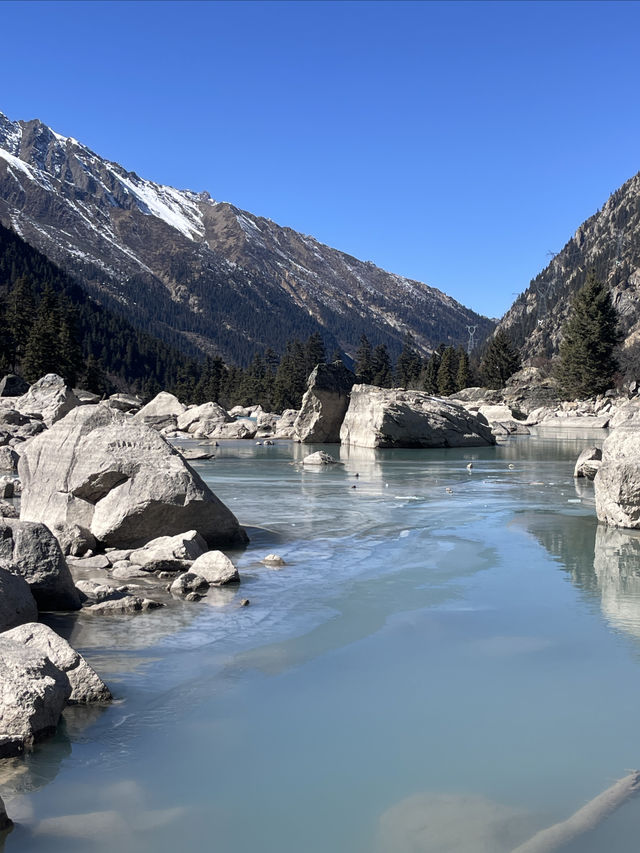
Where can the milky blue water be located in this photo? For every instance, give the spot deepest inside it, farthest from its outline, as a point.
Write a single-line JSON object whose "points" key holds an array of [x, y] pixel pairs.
{"points": [[431, 671]]}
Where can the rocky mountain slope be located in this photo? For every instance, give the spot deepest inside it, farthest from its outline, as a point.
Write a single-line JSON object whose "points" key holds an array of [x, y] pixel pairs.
{"points": [[174, 260], [609, 241]]}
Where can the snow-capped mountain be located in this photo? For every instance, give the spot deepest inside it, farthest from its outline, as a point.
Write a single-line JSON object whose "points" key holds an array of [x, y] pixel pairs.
{"points": [[200, 272]]}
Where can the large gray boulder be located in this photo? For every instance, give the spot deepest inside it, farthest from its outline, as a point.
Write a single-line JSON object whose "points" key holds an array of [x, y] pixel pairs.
{"points": [[86, 684], [33, 693], [285, 426], [119, 479], [617, 483], [211, 412], [324, 404], [17, 604], [216, 568], [391, 417], [161, 412], [49, 397], [30, 550]]}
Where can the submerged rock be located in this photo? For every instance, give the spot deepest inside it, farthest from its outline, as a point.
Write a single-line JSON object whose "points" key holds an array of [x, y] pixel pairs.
{"points": [[187, 583], [119, 479], [126, 604], [86, 684], [320, 458], [169, 553], [30, 550], [324, 404], [391, 417]]}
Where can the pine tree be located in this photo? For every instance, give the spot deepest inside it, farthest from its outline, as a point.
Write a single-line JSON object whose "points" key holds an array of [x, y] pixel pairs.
{"points": [[314, 352], [501, 360], [430, 373], [447, 372], [70, 353], [381, 367], [463, 373], [94, 379], [42, 350], [587, 364], [408, 365], [20, 318], [363, 365]]}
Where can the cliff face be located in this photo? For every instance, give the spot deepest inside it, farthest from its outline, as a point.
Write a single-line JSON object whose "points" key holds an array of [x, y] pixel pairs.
{"points": [[609, 242], [227, 281]]}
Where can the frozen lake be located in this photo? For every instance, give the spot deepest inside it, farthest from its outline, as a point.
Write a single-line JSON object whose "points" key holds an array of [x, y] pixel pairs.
{"points": [[432, 671]]}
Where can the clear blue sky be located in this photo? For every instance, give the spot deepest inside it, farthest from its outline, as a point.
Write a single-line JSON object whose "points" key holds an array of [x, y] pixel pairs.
{"points": [[456, 143]]}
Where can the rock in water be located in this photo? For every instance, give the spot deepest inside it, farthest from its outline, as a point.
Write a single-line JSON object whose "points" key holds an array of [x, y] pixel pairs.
{"points": [[169, 553], [617, 483], [320, 458], [33, 693], [391, 417], [17, 604], [211, 412], [588, 463], [5, 821], [119, 479], [49, 397], [216, 568], [30, 550], [86, 684], [324, 404]]}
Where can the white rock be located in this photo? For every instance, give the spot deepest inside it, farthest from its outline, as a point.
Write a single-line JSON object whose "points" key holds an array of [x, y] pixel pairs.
{"points": [[216, 568], [49, 397], [320, 458]]}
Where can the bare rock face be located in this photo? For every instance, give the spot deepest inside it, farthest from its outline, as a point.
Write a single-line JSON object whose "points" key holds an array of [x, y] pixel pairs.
{"points": [[119, 479], [284, 427], [17, 604], [216, 568], [49, 397], [86, 684], [30, 550], [391, 417], [33, 693], [588, 463], [617, 483], [324, 404]]}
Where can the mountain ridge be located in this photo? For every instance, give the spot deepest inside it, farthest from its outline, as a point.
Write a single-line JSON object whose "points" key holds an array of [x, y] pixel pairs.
{"points": [[229, 282]]}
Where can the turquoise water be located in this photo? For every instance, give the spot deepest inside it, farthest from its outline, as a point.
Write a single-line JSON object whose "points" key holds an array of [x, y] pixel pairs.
{"points": [[431, 671]]}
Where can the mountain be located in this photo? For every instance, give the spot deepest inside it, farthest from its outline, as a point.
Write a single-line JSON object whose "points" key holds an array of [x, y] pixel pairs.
{"points": [[609, 242], [202, 274]]}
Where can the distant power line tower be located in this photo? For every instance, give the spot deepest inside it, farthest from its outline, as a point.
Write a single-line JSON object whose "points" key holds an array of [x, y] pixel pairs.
{"points": [[472, 338]]}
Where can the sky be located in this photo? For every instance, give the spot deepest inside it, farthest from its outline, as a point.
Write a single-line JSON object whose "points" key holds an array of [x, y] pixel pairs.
{"points": [[457, 143]]}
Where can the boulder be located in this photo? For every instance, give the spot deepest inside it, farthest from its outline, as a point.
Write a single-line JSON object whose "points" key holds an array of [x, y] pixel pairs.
{"points": [[627, 414], [243, 428], [94, 592], [93, 561], [216, 568], [86, 684], [86, 397], [7, 489], [8, 510], [50, 398], [17, 604], [320, 458], [33, 693], [187, 583], [119, 479], [284, 427], [169, 553], [617, 482], [12, 417], [391, 417], [125, 605], [74, 540], [324, 404], [30, 550], [8, 459], [273, 560], [588, 463], [124, 402], [163, 406], [529, 389], [211, 412], [13, 386]]}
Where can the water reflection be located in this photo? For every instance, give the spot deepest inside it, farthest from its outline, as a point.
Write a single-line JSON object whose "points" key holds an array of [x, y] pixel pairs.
{"points": [[616, 565]]}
